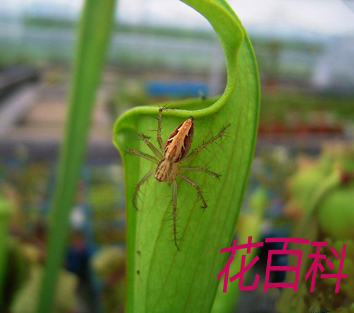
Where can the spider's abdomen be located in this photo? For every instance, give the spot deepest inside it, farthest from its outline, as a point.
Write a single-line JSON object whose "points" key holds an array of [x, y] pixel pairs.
{"points": [[179, 142]]}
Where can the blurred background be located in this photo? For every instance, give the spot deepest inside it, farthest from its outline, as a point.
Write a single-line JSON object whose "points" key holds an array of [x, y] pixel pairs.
{"points": [[161, 50]]}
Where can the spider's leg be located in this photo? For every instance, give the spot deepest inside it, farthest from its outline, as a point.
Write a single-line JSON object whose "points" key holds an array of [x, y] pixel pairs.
{"points": [[197, 188], [151, 146], [143, 155], [174, 213], [159, 127], [201, 169], [202, 146], [142, 181]]}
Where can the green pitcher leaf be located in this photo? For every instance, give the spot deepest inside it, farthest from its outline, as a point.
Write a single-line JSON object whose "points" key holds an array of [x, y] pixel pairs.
{"points": [[161, 278]]}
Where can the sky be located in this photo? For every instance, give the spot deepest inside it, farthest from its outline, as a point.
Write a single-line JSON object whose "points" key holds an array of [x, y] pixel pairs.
{"points": [[318, 16], [324, 16]]}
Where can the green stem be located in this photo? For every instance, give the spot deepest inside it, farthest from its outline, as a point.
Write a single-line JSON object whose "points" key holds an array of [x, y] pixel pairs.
{"points": [[5, 214], [94, 32]]}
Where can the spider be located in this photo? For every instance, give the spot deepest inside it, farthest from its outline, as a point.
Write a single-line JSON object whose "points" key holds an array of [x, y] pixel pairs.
{"points": [[169, 159]]}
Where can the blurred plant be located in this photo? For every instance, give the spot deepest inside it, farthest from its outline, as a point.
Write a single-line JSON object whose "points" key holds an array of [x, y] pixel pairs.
{"points": [[65, 296], [94, 31], [160, 278], [321, 201], [249, 224], [130, 93], [6, 210], [287, 111], [17, 272], [23, 279], [109, 265], [272, 167], [103, 195]]}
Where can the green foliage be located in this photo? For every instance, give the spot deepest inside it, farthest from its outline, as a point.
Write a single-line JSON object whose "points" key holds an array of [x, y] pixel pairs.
{"points": [[323, 192], [94, 30], [160, 278], [65, 298]]}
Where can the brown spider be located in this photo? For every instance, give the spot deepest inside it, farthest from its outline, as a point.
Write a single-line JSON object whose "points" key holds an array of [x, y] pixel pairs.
{"points": [[170, 157]]}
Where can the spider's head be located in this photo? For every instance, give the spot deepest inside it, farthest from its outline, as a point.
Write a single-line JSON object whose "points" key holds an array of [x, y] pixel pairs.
{"points": [[163, 171]]}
